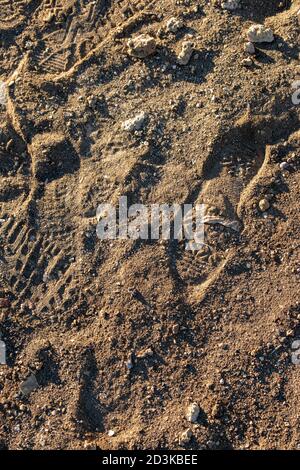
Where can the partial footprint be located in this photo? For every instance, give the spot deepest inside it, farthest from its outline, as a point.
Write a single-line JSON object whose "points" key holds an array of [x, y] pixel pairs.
{"points": [[73, 29], [233, 167]]}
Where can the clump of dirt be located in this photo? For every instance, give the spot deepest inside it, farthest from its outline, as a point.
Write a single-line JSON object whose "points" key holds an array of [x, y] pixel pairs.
{"points": [[116, 339]]}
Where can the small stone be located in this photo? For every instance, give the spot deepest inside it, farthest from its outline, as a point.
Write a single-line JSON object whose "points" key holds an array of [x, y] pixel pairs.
{"points": [[230, 5], [2, 353], [129, 362], [186, 53], [215, 410], [260, 33], [249, 48], [247, 62], [136, 123], [264, 205], [111, 433], [141, 46], [174, 24], [145, 353], [193, 413], [3, 93], [284, 166], [185, 437]]}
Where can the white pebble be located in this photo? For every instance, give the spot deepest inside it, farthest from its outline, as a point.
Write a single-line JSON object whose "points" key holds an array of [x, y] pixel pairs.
{"points": [[249, 48], [3, 93], [193, 413], [136, 123], [260, 33], [2, 353]]}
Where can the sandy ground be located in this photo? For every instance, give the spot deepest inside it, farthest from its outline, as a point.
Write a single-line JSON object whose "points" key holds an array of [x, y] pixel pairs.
{"points": [[213, 328]]}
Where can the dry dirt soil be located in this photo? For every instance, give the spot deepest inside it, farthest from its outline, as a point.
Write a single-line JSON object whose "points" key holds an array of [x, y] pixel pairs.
{"points": [[124, 335]]}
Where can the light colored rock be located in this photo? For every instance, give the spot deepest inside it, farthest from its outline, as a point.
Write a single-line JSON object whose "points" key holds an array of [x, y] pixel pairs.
{"points": [[3, 93], [141, 46], [2, 353], [247, 62], [136, 123], [185, 437], [264, 205], [144, 353], [230, 5], [259, 33], [129, 362], [193, 413], [284, 166], [186, 53], [174, 24], [249, 48]]}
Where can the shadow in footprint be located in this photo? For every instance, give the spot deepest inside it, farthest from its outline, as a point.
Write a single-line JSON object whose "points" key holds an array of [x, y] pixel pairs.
{"points": [[259, 10], [50, 370], [89, 410], [53, 157], [238, 155]]}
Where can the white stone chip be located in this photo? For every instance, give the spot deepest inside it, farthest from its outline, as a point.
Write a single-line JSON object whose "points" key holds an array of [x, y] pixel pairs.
{"points": [[3, 93], [2, 353], [193, 413], [136, 123], [259, 33]]}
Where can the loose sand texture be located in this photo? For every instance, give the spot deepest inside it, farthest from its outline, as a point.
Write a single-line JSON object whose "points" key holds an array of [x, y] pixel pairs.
{"points": [[142, 344]]}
